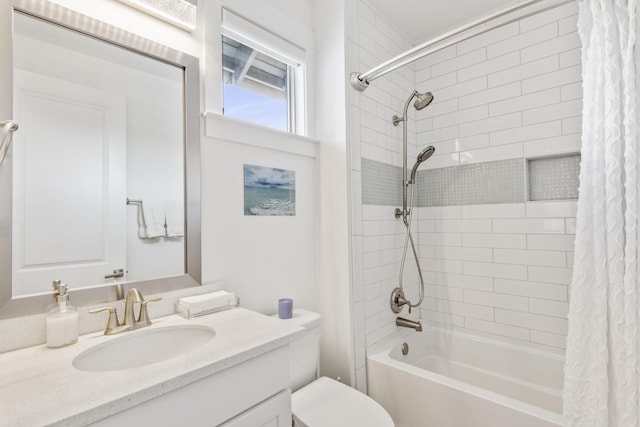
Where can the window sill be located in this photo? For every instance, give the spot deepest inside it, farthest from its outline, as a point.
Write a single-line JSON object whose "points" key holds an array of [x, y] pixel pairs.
{"points": [[238, 131]]}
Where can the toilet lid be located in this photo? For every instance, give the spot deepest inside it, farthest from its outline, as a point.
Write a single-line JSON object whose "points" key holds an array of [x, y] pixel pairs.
{"points": [[328, 403]]}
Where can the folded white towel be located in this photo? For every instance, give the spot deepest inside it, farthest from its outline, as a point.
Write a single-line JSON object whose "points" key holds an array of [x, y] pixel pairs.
{"points": [[209, 302], [153, 216], [174, 217], [142, 228]]}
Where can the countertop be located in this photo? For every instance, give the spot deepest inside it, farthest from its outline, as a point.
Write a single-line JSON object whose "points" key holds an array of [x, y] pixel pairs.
{"points": [[39, 386]]}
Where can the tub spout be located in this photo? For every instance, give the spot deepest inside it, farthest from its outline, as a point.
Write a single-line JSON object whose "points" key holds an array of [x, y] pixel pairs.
{"points": [[401, 321]]}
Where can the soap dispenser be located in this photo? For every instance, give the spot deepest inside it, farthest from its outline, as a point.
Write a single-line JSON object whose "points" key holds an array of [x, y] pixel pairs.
{"points": [[62, 320]]}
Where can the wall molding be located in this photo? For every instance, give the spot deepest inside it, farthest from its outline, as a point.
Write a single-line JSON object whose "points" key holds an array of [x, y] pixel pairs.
{"points": [[241, 132]]}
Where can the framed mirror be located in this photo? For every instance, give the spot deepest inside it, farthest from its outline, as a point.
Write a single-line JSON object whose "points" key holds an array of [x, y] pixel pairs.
{"points": [[101, 187]]}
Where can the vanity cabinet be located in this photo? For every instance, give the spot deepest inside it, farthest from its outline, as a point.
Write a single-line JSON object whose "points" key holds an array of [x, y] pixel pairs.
{"points": [[250, 394], [239, 378], [274, 412]]}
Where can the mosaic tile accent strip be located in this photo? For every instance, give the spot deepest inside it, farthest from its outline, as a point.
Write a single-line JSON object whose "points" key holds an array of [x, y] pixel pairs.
{"points": [[482, 183], [381, 183], [554, 178], [476, 184]]}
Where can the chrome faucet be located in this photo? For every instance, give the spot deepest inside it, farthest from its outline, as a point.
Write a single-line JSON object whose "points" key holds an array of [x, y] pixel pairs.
{"points": [[407, 323], [130, 321]]}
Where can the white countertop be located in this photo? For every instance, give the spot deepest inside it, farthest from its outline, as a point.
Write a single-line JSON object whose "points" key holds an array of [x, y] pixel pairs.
{"points": [[39, 386]]}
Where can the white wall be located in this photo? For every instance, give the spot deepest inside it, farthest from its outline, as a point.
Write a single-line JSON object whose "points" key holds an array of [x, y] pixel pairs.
{"points": [[260, 258], [334, 293], [155, 175]]}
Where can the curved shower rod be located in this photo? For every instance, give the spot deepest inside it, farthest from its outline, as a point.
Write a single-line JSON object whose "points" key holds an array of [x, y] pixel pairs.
{"points": [[361, 81], [7, 128]]}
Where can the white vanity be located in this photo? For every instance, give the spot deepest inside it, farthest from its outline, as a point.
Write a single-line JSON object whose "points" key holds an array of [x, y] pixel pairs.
{"points": [[238, 378]]}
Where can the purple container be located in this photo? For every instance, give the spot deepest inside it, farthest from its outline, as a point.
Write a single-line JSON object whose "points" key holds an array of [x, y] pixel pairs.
{"points": [[285, 308]]}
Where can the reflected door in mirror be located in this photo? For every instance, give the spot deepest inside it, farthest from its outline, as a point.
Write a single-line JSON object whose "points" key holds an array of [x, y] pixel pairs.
{"points": [[70, 185]]}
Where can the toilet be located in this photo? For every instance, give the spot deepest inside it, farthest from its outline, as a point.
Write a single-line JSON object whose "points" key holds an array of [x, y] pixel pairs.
{"points": [[324, 402]]}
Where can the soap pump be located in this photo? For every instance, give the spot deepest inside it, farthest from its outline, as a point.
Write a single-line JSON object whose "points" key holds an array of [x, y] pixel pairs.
{"points": [[62, 320]]}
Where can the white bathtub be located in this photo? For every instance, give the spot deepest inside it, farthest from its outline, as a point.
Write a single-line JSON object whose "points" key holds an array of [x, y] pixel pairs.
{"points": [[452, 379]]}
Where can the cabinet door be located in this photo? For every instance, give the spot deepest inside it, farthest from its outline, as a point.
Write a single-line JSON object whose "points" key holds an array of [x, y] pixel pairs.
{"points": [[273, 412], [255, 389]]}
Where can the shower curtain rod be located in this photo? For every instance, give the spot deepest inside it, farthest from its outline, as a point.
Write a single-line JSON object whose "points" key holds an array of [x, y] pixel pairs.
{"points": [[361, 81]]}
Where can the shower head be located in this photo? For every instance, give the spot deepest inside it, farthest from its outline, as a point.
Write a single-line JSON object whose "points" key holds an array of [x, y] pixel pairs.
{"points": [[422, 100], [424, 155]]}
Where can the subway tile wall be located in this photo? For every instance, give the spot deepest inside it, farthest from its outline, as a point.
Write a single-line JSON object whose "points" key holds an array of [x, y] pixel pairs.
{"points": [[511, 93], [508, 95], [500, 269], [375, 148]]}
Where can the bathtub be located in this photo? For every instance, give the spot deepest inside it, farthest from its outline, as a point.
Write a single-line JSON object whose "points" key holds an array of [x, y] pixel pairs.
{"points": [[453, 379]]}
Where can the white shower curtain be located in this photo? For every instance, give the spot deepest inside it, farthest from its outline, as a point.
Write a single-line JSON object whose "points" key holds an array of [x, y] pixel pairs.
{"points": [[601, 370]]}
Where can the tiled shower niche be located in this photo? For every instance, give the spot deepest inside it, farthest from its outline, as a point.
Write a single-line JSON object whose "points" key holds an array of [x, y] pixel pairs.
{"points": [[553, 178]]}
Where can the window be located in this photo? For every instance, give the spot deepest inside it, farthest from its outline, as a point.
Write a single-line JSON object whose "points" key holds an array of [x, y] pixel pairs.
{"points": [[255, 87], [262, 76]]}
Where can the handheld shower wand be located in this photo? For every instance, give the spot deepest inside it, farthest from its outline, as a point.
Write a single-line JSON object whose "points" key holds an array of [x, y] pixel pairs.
{"points": [[424, 155]]}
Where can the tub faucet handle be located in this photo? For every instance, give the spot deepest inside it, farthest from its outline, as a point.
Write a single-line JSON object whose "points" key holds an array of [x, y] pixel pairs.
{"points": [[398, 300]]}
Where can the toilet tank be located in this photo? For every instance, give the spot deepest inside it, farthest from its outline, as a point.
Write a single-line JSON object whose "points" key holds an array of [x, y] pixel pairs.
{"points": [[305, 349]]}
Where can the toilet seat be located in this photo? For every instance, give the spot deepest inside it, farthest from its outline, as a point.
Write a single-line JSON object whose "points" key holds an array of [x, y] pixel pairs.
{"points": [[328, 403]]}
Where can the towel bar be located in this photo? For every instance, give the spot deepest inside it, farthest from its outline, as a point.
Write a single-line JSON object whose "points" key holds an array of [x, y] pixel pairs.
{"points": [[7, 128]]}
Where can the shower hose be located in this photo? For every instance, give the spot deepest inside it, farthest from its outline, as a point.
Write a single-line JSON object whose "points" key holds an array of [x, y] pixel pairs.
{"points": [[409, 239]]}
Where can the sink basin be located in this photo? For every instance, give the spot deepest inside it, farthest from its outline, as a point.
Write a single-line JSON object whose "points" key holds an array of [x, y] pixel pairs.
{"points": [[139, 348]]}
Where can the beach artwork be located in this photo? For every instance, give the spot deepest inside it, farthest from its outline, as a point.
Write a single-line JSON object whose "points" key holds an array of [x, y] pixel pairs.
{"points": [[269, 191]]}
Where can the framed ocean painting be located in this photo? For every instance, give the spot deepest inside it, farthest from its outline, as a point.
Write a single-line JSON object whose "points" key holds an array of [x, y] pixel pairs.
{"points": [[269, 191]]}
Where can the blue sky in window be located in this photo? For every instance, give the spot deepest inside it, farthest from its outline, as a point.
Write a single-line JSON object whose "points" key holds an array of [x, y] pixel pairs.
{"points": [[255, 108]]}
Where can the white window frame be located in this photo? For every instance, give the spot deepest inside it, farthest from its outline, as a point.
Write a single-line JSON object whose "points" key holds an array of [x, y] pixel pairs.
{"points": [[256, 37]]}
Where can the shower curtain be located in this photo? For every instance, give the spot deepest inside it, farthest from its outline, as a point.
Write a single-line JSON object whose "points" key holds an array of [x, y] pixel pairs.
{"points": [[601, 369]]}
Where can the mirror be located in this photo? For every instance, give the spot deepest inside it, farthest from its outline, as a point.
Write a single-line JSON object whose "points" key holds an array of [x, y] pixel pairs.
{"points": [[101, 198]]}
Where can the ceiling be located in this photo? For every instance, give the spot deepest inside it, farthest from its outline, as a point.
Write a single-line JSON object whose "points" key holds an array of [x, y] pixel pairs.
{"points": [[421, 20]]}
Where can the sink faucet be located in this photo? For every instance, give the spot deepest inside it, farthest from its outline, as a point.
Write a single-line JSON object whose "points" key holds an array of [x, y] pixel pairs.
{"points": [[130, 321], [407, 323], [133, 296]]}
